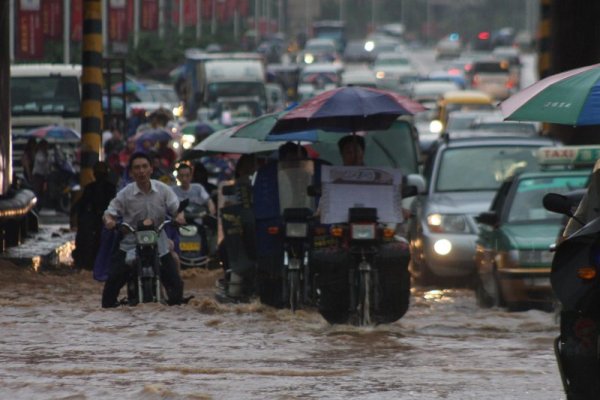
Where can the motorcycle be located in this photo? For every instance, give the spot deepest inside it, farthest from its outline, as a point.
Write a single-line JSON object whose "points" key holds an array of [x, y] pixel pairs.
{"points": [[62, 182], [575, 279], [297, 278], [144, 283], [196, 236], [365, 280]]}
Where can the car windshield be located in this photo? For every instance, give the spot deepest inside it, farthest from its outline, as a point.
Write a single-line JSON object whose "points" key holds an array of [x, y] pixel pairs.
{"points": [[481, 168], [468, 107], [527, 204], [51, 95], [506, 127], [391, 62], [158, 95]]}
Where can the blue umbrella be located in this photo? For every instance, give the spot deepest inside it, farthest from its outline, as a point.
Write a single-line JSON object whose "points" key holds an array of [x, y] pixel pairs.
{"points": [[153, 135], [54, 132]]}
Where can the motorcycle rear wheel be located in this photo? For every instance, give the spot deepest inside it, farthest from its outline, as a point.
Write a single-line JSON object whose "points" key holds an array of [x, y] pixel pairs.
{"points": [[294, 289]]}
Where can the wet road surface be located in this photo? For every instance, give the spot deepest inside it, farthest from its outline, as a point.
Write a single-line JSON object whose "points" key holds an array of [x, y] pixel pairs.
{"points": [[57, 343]]}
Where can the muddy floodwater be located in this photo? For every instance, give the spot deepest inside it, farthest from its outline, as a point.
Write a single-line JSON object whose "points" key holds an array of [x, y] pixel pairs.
{"points": [[57, 343]]}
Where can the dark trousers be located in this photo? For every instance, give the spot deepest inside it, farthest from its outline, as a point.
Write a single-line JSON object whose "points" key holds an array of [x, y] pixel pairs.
{"points": [[119, 272]]}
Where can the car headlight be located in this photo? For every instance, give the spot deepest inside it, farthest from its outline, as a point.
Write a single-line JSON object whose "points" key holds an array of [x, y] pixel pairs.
{"points": [[296, 229], [362, 231], [436, 126], [188, 138], [447, 223]]}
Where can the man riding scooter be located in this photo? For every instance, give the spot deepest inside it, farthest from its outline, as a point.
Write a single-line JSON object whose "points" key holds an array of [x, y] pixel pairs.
{"points": [[363, 268], [192, 245], [143, 201]]}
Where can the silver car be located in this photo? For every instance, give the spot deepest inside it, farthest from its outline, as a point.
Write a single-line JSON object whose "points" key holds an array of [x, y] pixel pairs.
{"points": [[462, 177]]}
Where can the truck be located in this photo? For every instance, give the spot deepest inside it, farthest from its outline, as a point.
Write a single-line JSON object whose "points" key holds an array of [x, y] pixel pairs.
{"points": [[335, 30], [44, 94], [212, 80]]}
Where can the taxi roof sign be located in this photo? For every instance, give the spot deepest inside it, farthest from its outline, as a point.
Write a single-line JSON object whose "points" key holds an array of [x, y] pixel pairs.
{"points": [[569, 155]]}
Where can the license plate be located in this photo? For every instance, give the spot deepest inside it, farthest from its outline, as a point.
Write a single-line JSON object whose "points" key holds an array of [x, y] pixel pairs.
{"points": [[189, 246]]}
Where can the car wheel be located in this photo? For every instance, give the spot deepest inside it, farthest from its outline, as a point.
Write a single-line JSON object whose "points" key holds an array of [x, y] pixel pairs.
{"points": [[497, 297], [484, 300]]}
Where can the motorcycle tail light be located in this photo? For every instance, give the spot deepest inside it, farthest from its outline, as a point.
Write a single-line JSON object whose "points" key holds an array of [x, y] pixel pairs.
{"points": [[587, 273], [362, 231], [296, 229], [388, 232], [337, 231], [273, 230]]}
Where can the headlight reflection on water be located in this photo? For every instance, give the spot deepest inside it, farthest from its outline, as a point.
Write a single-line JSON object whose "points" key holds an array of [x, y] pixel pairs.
{"points": [[438, 296]]}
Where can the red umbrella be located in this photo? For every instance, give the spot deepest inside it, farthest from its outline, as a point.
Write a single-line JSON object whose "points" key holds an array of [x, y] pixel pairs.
{"points": [[347, 109]]}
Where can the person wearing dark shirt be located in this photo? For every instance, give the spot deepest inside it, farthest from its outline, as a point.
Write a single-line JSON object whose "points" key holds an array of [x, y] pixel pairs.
{"points": [[89, 210]]}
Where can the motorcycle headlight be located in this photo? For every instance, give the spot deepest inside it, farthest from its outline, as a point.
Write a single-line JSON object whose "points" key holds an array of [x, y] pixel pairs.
{"points": [[447, 223], [188, 230], [146, 237], [362, 231], [296, 229]]}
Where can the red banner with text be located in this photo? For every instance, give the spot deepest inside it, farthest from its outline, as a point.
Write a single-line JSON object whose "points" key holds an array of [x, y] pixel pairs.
{"points": [[149, 15], [76, 20], [52, 20], [117, 29], [30, 34]]}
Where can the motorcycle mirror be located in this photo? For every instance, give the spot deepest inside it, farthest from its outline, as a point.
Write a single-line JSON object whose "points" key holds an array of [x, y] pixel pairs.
{"points": [[557, 203], [182, 205]]}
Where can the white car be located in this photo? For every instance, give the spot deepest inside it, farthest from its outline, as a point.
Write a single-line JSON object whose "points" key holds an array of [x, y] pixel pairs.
{"points": [[318, 78], [390, 66]]}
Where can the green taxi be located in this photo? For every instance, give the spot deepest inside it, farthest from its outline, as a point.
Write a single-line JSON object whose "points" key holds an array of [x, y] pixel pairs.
{"points": [[512, 249]]}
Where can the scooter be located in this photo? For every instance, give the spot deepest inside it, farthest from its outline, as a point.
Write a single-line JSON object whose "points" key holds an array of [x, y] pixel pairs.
{"points": [[194, 237], [144, 283], [575, 279], [298, 287], [371, 283]]}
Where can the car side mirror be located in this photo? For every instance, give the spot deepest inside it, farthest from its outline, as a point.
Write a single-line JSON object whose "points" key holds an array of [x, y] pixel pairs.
{"points": [[488, 218], [413, 185]]}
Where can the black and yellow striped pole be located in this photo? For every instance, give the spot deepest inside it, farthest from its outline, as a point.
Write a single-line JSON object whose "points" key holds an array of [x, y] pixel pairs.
{"points": [[544, 39], [91, 96]]}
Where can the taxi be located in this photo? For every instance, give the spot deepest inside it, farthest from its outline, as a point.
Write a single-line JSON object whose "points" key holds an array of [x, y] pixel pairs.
{"points": [[459, 100], [512, 255]]}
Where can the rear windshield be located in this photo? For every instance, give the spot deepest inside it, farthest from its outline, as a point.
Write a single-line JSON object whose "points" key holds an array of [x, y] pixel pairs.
{"points": [[491, 67], [483, 168]]}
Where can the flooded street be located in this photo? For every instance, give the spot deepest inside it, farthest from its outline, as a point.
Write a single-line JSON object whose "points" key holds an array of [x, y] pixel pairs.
{"points": [[57, 343]]}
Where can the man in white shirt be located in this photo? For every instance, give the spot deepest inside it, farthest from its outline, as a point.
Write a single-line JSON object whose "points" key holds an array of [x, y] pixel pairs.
{"points": [[195, 192], [141, 200]]}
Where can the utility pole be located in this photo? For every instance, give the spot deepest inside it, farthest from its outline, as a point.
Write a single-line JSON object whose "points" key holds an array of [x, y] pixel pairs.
{"points": [[5, 133], [198, 19], [67, 32], [11, 30], [91, 83], [136, 23]]}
